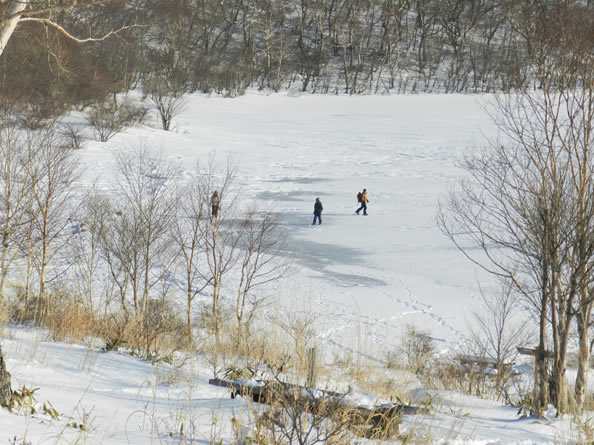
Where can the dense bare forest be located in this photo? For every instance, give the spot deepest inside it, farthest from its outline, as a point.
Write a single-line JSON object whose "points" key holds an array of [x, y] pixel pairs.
{"points": [[174, 47]]}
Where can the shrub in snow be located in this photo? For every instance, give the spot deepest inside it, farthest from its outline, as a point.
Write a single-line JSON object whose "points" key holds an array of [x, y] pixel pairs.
{"points": [[416, 348], [72, 135], [109, 118]]}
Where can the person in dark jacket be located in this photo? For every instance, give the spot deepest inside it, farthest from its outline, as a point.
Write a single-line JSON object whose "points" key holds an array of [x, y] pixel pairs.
{"points": [[364, 202], [215, 202], [317, 212]]}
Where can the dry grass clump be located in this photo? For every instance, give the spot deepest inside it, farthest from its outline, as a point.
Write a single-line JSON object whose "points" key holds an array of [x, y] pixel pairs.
{"points": [[589, 403], [394, 386], [584, 428], [70, 320], [6, 313], [447, 374], [153, 335], [372, 377], [271, 349], [241, 356], [156, 333], [66, 316]]}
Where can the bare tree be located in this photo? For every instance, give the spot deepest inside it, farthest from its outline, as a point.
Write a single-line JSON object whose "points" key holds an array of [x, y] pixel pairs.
{"points": [[87, 247], [571, 80], [144, 209], [54, 169], [497, 331], [116, 241], [425, 32], [187, 235], [510, 210], [261, 261], [530, 208], [565, 69], [15, 196], [12, 16], [219, 232], [19, 11], [131, 226], [166, 96], [394, 38], [235, 247], [273, 46]]}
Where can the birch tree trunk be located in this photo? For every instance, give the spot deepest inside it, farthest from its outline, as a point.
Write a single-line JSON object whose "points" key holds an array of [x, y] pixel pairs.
{"points": [[583, 365], [10, 22], [5, 389]]}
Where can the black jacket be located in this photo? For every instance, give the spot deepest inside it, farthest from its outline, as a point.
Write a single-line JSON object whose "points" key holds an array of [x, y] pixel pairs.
{"points": [[318, 207]]}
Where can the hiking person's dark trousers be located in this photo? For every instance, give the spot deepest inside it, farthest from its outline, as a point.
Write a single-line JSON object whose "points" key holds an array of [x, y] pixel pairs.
{"points": [[318, 217], [363, 207]]}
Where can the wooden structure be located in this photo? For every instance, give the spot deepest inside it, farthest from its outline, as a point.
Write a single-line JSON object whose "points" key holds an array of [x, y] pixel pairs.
{"points": [[485, 365], [533, 352], [378, 421]]}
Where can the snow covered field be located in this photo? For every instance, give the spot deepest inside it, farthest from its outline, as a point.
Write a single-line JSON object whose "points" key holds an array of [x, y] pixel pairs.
{"points": [[365, 278]]}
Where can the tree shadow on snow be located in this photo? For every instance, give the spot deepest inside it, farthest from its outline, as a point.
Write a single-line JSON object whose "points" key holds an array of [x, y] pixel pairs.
{"points": [[319, 256]]}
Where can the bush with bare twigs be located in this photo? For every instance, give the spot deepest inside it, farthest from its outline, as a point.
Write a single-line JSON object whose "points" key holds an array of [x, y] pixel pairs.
{"points": [[416, 348], [108, 118], [157, 332]]}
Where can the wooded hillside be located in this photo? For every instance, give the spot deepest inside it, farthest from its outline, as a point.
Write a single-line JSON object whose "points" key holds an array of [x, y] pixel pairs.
{"points": [[317, 46]]}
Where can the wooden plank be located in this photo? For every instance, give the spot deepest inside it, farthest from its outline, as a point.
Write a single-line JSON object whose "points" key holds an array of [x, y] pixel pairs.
{"points": [[483, 362], [257, 391], [264, 390], [533, 352]]}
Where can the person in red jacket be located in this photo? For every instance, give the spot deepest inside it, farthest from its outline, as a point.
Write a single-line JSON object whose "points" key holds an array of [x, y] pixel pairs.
{"points": [[364, 202]]}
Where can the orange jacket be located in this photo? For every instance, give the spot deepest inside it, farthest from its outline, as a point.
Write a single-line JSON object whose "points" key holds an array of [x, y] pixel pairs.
{"points": [[364, 197]]}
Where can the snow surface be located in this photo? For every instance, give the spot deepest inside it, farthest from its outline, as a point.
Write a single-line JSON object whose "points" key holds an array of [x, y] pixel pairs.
{"points": [[364, 278]]}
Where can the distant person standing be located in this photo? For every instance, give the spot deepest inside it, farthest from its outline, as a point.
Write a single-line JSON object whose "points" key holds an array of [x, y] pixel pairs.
{"points": [[215, 202], [363, 200], [317, 212]]}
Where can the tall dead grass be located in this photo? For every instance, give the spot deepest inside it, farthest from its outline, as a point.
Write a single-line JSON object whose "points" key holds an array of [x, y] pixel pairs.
{"points": [[153, 335]]}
